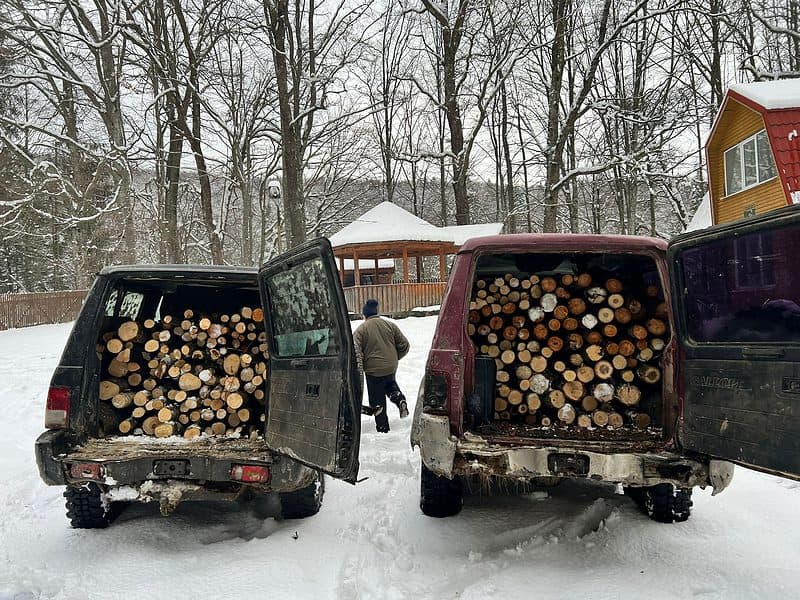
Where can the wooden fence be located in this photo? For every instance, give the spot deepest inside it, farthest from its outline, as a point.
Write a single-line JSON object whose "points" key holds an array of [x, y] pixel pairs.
{"points": [[395, 298], [23, 310]]}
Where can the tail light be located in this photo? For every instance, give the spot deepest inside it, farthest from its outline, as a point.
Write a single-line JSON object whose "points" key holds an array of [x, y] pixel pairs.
{"points": [[434, 399], [56, 415], [250, 473]]}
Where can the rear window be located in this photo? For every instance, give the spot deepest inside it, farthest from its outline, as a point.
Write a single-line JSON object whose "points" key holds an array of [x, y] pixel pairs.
{"points": [[301, 311], [744, 289]]}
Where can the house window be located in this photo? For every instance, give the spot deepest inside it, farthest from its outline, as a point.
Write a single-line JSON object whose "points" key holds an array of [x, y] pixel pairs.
{"points": [[748, 163]]}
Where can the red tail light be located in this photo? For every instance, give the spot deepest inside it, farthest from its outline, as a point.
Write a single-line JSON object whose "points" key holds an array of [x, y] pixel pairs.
{"points": [[56, 415], [249, 473]]}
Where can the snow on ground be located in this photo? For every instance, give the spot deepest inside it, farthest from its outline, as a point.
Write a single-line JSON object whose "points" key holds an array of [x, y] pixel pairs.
{"points": [[371, 541]]}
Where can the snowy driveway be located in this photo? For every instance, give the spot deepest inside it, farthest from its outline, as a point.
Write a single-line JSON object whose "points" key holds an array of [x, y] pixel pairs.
{"points": [[371, 541]]}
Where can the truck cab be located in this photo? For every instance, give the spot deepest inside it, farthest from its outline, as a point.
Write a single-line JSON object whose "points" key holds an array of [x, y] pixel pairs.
{"points": [[303, 420], [711, 321]]}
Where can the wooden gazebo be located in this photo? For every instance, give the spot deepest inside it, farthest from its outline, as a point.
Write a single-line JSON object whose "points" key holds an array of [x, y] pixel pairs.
{"points": [[390, 232]]}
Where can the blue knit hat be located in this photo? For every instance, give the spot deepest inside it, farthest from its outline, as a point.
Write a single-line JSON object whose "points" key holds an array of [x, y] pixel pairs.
{"points": [[370, 308]]}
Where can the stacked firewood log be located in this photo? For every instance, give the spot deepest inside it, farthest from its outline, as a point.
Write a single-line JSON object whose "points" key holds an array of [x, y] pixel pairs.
{"points": [[200, 374], [570, 350]]}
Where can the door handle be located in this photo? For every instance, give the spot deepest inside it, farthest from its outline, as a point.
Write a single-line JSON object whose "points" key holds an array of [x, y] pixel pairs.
{"points": [[762, 352], [299, 363]]}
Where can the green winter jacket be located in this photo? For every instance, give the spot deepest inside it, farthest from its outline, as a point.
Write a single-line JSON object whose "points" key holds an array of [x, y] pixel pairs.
{"points": [[379, 345]]}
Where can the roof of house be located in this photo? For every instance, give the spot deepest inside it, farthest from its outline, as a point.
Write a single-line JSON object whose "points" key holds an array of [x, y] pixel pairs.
{"points": [[771, 95], [388, 222]]}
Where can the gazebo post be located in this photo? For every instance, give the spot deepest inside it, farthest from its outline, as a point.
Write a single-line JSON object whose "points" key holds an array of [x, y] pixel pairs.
{"points": [[376, 271], [341, 270], [405, 264], [441, 264], [356, 270]]}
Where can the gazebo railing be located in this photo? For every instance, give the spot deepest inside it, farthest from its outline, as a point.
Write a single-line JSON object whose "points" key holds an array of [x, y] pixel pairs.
{"points": [[395, 298]]}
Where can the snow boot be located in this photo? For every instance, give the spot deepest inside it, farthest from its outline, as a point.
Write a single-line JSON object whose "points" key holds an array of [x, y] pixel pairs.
{"points": [[372, 411], [400, 400]]}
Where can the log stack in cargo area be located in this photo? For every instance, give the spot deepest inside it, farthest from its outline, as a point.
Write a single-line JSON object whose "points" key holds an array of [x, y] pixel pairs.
{"points": [[572, 350], [187, 375]]}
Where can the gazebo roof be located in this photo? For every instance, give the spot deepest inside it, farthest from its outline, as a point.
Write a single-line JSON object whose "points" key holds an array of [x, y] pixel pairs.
{"points": [[387, 229], [388, 222], [461, 233]]}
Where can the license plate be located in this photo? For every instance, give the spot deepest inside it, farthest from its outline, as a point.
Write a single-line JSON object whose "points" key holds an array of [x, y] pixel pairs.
{"points": [[171, 468], [574, 465]]}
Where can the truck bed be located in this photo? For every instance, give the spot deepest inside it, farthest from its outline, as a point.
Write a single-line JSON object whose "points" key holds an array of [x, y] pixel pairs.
{"points": [[132, 448], [559, 432]]}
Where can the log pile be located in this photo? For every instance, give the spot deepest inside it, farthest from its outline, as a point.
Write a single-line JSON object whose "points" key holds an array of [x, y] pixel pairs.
{"points": [[573, 350], [199, 374]]}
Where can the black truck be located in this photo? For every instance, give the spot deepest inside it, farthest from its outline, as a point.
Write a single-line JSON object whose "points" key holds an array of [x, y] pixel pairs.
{"points": [[310, 415]]}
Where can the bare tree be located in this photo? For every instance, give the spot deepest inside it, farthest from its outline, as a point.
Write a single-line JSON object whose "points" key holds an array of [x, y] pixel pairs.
{"points": [[73, 60], [479, 42], [240, 100], [386, 65], [312, 46], [767, 38]]}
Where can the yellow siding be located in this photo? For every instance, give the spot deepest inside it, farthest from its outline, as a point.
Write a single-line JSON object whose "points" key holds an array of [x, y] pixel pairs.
{"points": [[737, 123], [763, 197]]}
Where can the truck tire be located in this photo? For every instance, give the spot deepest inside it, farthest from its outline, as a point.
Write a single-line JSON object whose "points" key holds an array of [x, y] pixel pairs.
{"points": [[439, 496], [86, 508], [663, 502], [304, 502]]}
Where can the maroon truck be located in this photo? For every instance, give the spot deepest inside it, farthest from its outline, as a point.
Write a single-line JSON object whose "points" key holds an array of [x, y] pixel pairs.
{"points": [[728, 385]]}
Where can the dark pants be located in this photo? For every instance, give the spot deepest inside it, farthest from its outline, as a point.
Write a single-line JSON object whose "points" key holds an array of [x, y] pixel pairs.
{"points": [[378, 389]]}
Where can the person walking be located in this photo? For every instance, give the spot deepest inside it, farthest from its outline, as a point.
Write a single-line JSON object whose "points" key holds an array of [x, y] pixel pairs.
{"points": [[379, 346]]}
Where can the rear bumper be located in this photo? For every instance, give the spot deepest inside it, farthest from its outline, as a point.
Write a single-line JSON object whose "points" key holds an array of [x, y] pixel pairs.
{"points": [[449, 456], [55, 454], [49, 446]]}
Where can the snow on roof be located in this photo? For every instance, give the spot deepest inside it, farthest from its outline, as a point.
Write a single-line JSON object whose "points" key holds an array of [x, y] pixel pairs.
{"points": [[772, 95], [702, 216], [388, 222], [461, 233]]}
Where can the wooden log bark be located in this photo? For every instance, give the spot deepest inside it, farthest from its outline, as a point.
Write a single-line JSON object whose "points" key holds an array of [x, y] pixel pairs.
{"points": [[555, 399], [649, 374], [573, 390], [640, 420], [567, 414], [629, 394], [108, 389], [604, 392]]}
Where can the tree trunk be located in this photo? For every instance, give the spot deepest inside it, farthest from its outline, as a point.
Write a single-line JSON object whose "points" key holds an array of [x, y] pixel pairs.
{"points": [[277, 15], [510, 202], [554, 135]]}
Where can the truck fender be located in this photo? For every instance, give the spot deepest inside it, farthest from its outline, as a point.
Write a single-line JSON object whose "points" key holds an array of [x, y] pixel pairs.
{"points": [[431, 433]]}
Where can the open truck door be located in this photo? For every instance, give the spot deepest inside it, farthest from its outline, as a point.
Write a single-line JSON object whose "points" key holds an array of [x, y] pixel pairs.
{"points": [[736, 291], [313, 387]]}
